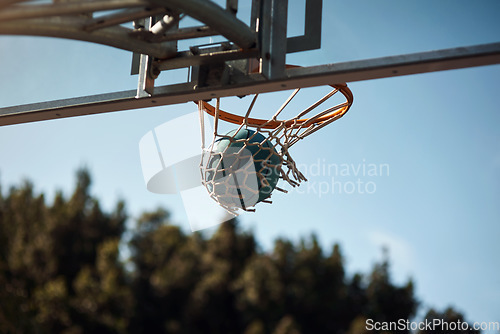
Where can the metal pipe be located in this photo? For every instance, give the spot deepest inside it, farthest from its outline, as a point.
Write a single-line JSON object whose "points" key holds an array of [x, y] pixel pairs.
{"points": [[70, 27], [7, 3], [166, 23], [216, 17], [66, 8], [120, 17], [205, 11]]}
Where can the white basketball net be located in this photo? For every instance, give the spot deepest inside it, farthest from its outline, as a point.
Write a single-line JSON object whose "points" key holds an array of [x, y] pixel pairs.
{"points": [[226, 173]]}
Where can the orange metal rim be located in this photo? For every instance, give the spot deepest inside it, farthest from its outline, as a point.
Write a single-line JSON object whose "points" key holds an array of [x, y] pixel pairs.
{"points": [[270, 124]]}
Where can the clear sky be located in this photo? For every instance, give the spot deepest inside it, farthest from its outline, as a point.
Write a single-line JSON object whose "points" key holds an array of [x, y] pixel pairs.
{"points": [[434, 139]]}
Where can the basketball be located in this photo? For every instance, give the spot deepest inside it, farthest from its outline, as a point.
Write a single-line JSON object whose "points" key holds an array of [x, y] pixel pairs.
{"points": [[243, 168]]}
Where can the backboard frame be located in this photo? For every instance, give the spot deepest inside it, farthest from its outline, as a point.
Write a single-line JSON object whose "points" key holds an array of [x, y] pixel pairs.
{"points": [[222, 69]]}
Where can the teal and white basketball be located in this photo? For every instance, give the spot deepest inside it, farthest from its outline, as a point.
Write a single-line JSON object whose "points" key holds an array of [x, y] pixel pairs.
{"points": [[243, 169]]}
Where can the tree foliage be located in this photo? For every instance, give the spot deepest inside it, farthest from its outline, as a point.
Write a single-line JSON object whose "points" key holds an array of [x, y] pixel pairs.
{"points": [[61, 272], [447, 321]]}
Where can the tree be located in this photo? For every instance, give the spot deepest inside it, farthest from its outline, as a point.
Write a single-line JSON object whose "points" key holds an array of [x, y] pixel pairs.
{"points": [[60, 263], [61, 272], [447, 321], [165, 273], [212, 304], [386, 302]]}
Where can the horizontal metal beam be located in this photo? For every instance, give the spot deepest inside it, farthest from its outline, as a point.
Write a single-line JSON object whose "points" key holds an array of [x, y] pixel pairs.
{"points": [[216, 55], [478, 55], [385, 67], [187, 33]]}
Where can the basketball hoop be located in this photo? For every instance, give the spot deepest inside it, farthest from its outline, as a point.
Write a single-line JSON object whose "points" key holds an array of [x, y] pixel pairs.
{"points": [[267, 142]]}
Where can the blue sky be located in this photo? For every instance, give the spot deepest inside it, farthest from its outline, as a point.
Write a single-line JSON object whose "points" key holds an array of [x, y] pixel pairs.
{"points": [[436, 205]]}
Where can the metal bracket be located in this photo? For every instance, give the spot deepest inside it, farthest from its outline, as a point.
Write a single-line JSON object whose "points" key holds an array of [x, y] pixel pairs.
{"points": [[148, 70], [146, 83]]}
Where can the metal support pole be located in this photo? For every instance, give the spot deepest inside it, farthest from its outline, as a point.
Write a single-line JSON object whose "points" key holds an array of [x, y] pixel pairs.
{"points": [[273, 38]]}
